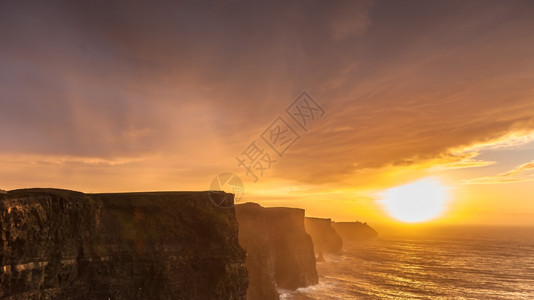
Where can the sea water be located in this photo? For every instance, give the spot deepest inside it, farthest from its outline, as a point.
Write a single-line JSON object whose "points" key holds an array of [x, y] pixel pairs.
{"points": [[442, 263]]}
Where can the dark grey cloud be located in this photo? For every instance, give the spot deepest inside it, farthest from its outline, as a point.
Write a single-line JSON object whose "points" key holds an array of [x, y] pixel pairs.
{"points": [[401, 81]]}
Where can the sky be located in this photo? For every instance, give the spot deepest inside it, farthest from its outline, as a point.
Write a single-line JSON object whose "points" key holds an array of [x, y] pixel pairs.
{"points": [[115, 96]]}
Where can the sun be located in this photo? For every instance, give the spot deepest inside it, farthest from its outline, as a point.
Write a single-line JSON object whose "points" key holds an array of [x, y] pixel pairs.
{"points": [[415, 202]]}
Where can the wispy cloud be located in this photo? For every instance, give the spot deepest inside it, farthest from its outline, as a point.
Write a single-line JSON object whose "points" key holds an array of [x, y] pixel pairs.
{"points": [[519, 174], [349, 19], [511, 140]]}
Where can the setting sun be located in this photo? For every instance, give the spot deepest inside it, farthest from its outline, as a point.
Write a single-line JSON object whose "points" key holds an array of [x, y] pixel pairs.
{"points": [[309, 149], [415, 202]]}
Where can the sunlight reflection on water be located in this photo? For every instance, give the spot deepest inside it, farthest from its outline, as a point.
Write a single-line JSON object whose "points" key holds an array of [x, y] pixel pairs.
{"points": [[459, 263]]}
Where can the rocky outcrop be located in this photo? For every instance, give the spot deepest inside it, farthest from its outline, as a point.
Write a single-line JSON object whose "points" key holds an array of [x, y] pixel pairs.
{"points": [[352, 232], [324, 236], [58, 244], [279, 251]]}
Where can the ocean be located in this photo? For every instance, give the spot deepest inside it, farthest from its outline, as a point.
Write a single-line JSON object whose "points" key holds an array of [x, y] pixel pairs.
{"points": [[442, 263]]}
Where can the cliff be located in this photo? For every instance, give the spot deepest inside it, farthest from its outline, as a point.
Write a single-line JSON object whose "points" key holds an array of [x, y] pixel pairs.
{"points": [[324, 236], [279, 251], [58, 244], [354, 231]]}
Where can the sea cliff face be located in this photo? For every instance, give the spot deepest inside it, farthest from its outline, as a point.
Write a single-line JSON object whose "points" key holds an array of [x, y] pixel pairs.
{"points": [[324, 236], [58, 244], [279, 251], [352, 232]]}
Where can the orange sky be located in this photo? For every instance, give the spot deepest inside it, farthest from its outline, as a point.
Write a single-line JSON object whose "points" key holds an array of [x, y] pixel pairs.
{"points": [[113, 97]]}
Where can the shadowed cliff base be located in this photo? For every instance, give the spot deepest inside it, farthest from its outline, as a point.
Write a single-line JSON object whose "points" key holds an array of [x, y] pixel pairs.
{"points": [[279, 251], [58, 244]]}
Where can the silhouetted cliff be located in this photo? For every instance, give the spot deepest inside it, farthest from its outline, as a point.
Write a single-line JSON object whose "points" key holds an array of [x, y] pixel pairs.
{"points": [[354, 231], [324, 236], [279, 251], [58, 244]]}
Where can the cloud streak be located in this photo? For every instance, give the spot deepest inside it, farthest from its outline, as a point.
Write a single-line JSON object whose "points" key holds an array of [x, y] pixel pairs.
{"points": [[520, 173]]}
